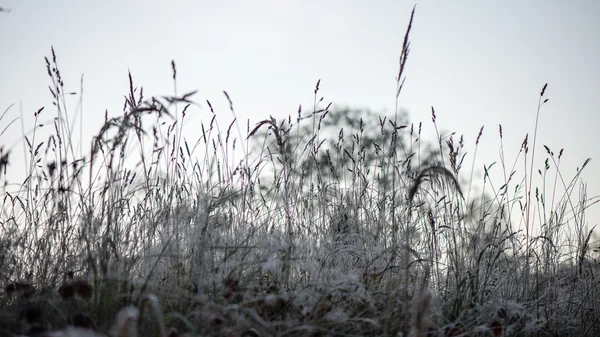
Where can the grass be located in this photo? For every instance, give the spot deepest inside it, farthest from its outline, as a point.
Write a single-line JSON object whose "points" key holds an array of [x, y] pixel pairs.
{"points": [[372, 233]]}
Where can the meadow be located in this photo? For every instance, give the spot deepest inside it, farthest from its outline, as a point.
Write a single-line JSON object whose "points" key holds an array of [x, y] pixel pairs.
{"points": [[318, 230]]}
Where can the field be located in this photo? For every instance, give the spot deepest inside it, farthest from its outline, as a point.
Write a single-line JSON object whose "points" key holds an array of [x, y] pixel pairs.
{"points": [[367, 230]]}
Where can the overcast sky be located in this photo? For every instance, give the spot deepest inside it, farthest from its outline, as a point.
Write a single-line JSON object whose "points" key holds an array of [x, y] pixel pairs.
{"points": [[477, 62]]}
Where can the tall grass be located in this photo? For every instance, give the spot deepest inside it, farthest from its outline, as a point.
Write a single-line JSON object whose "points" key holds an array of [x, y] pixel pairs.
{"points": [[306, 235]]}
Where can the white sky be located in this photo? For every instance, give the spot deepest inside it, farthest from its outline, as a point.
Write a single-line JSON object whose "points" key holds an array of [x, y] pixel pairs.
{"points": [[477, 62]]}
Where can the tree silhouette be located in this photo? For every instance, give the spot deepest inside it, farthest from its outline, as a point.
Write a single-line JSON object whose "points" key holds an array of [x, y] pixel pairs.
{"points": [[335, 145]]}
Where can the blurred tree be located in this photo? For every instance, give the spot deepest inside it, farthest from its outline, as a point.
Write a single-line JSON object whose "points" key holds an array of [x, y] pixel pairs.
{"points": [[337, 145]]}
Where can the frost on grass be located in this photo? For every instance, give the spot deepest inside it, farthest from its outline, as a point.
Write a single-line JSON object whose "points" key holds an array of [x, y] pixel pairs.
{"points": [[332, 234]]}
